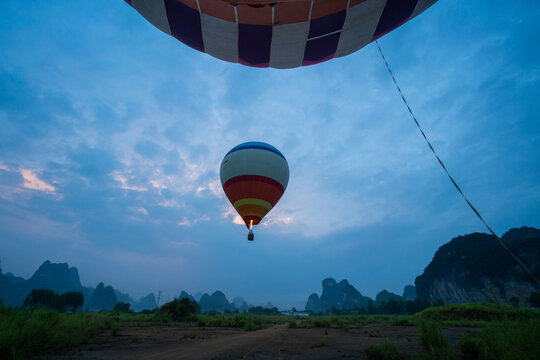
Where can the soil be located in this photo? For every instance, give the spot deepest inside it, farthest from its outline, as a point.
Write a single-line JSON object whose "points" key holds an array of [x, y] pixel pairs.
{"points": [[274, 342]]}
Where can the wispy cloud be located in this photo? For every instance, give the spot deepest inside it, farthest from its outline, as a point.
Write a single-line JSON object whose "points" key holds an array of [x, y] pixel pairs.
{"points": [[123, 180], [31, 181], [140, 210]]}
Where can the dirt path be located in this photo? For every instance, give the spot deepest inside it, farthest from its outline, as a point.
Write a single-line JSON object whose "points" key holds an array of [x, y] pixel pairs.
{"points": [[275, 342], [247, 342]]}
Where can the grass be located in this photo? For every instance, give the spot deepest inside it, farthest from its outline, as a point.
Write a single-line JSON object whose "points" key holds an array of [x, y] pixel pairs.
{"points": [[503, 341], [382, 351], [26, 333], [317, 345], [344, 322], [504, 332], [474, 315], [501, 332], [249, 322], [435, 346]]}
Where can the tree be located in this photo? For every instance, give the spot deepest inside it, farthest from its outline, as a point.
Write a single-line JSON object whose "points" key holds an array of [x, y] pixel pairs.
{"points": [[416, 306], [73, 300], [514, 300], [534, 299], [371, 307], [392, 307], [44, 298], [180, 310], [122, 306]]}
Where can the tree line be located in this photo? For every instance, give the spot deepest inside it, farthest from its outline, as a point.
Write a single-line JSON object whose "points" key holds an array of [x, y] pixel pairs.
{"points": [[47, 298]]}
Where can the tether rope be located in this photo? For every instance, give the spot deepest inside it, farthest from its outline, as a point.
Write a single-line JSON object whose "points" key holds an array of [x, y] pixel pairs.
{"points": [[450, 176]]}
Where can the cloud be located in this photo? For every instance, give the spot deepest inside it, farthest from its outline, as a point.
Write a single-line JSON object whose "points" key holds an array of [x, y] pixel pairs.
{"points": [[171, 204], [140, 210], [213, 186], [230, 213], [31, 181], [184, 222], [122, 179], [190, 222], [182, 244]]}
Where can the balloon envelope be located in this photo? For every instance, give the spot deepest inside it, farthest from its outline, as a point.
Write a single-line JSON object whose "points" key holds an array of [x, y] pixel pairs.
{"points": [[254, 176], [278, 33]]}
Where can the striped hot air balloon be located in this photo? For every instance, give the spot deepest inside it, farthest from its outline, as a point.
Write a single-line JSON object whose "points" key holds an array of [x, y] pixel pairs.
{"points": [[254, 176], [278, 33]]}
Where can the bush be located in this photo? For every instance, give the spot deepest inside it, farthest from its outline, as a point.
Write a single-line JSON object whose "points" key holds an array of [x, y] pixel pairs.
{"points": [[178, 310], [115, 328], [122, 307], [292, 323], [432, 340], [382, 351], [473, 348], [252, 325]]}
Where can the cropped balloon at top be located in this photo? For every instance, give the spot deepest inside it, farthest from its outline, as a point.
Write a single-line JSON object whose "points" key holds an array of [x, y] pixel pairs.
{"points": [[278, 33]]}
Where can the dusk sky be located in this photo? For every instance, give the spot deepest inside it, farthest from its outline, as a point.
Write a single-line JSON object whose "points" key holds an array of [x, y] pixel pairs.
{"points": [[112, 134]]}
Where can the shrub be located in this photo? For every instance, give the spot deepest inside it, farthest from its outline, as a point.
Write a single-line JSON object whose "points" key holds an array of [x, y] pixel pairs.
{"points": [[252, 326], [122, 307], [179, 310], [514, 300], [292, 323], [432, 340], [473, 348], [115, 328], [382, 351]]}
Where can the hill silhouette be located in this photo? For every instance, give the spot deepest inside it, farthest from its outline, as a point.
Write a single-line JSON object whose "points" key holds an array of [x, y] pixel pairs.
{"points": [[476, 268]]}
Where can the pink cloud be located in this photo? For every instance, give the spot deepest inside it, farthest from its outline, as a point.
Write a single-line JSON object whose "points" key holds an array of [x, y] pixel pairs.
{"points": [[31, 181]]}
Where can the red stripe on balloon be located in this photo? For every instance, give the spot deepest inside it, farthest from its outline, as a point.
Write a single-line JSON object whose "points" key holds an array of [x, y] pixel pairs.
{"points": [[247, 220], [253, 189], [259, 178]]}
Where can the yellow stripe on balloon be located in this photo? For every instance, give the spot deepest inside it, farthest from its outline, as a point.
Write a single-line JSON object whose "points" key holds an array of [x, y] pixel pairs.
{"points": [[251, 201]]}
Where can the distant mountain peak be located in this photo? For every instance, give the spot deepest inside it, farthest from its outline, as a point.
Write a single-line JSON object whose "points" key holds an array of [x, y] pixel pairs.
{"points": [[56, 276], [340, 296]]}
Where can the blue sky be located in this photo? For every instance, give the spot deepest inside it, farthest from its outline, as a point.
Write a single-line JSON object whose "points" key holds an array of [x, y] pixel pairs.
{"points": [[112, 134]]}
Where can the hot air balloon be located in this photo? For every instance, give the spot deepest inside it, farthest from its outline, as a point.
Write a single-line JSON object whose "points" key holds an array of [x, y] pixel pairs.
{"points": [[278, 33], [254, 176]]}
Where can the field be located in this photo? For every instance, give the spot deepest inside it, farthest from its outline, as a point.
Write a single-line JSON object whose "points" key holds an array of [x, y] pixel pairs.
{"points": [[472, 331]]}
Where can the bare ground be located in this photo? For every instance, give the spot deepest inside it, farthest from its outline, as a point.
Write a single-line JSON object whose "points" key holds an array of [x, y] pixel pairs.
{"points": [[274, 342]]}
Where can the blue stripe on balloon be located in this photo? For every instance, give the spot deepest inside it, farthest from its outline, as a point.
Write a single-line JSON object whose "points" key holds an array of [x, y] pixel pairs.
{"points": [[185, 24], [256, 145]]}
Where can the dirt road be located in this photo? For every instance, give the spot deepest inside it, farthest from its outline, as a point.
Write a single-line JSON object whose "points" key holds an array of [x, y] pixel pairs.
{"points": [[275, 342]]}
